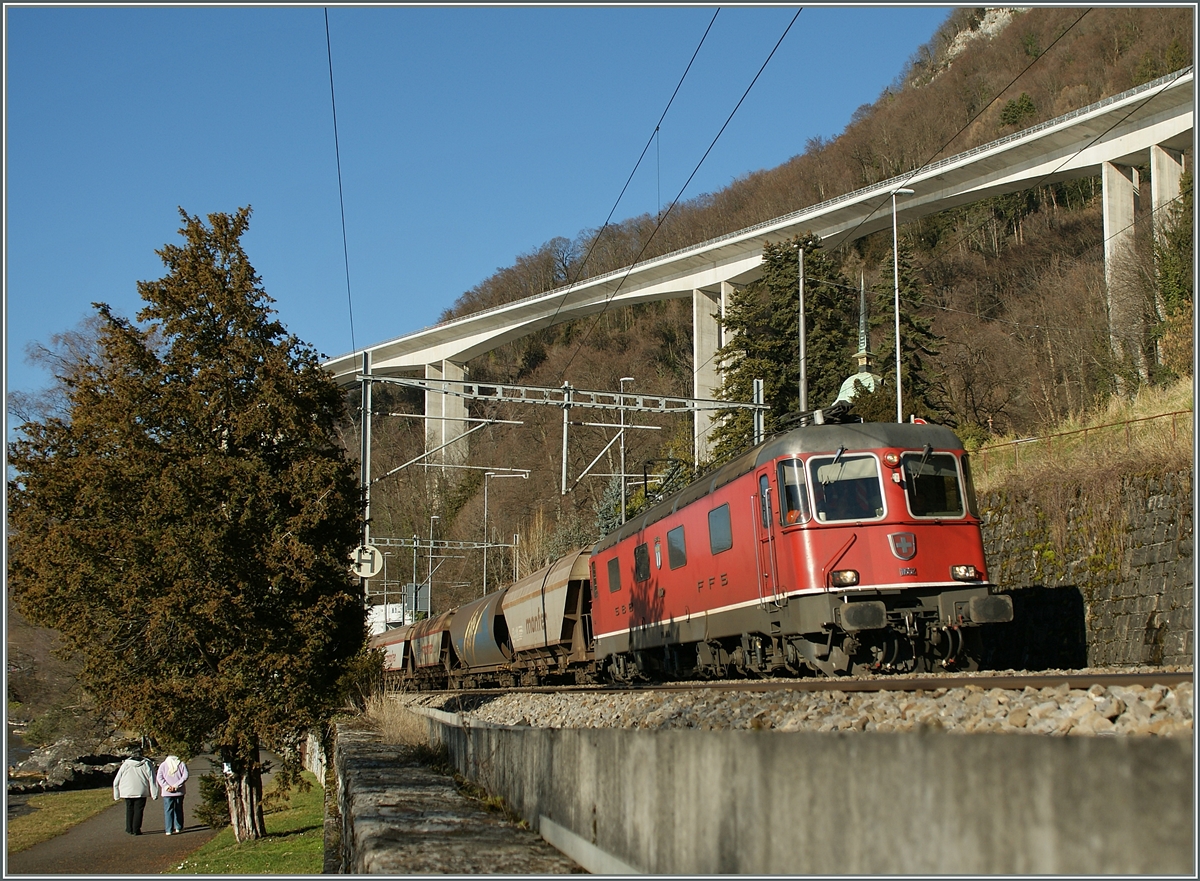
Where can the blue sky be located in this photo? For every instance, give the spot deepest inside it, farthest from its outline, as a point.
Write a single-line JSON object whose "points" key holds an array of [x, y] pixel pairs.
{"points": [[468, 136]]}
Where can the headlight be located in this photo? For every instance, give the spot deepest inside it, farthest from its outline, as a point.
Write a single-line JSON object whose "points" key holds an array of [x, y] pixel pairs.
{"points": [[964, 573], [844, 577]]}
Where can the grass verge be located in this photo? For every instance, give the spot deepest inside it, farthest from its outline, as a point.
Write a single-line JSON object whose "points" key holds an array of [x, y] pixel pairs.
{"points": [[53, 814], [1070, 457], [294, 843]]}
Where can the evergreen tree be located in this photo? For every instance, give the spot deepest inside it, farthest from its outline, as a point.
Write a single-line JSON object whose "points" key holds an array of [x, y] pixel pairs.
{"points": [[186, 522], [923, 389], [1018, 111], [608, 510], [762, 339]]}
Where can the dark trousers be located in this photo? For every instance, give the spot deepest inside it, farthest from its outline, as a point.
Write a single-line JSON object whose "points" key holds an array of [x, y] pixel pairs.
{"points": [[134, 808]]}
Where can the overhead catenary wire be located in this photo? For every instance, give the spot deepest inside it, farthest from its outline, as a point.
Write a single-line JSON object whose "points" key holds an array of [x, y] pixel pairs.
{"points": [[1037, 183], [971, 121], [682, 190], [1104, 239], [653, 139], [1076, 259], [967, 234], [341, 199]]}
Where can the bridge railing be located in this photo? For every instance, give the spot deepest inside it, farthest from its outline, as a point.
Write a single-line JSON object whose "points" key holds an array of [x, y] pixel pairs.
{"points": [[884, 185], [1112, 436]]}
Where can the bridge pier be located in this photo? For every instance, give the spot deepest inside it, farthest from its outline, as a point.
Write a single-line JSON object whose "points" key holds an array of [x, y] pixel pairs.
{"points": [[1121, 195], [708, 310], [1122, 201], [446, 414], [1166, 171]]}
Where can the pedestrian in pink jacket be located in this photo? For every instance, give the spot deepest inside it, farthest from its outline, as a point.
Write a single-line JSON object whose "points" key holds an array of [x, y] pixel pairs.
{"points": [[172, 774]]}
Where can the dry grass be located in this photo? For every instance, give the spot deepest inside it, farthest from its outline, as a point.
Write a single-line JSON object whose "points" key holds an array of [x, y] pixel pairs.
{"points": [[1067, 455], [1076, 480], [395, 723]]}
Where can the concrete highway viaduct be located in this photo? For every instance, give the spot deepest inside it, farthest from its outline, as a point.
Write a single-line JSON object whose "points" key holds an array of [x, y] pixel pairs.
{"points": [[1148, 125]]}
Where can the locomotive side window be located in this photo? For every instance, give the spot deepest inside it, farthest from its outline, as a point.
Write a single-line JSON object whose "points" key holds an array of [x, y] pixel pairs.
{"points": [[720, 531], [614, 575], [972, 501], [931, 484], [846, 487], [676, 548], [641, 563], [764, 500], [793, 492]]}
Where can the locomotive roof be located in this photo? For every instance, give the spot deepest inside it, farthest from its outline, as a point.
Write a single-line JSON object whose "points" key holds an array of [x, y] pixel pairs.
{"points": [[806, 439], [857, 436]]}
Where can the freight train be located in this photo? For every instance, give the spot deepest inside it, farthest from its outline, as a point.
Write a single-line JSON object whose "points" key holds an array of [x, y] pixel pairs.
{"points": [[835, 549]]}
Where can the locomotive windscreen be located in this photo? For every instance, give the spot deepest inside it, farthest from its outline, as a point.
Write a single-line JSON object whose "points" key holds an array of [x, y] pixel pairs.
{"points": [[846, 487], [931, 483]]}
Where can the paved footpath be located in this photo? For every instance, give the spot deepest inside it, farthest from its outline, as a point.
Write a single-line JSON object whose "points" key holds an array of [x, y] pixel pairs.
{"points": [[99, 846]]}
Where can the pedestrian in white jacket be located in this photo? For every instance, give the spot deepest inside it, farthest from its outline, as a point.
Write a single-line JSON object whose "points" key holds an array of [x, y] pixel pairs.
{"points": [[134, 781]]}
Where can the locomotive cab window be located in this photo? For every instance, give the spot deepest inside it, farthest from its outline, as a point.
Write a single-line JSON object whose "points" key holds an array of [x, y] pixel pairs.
{"points": [[641, 563], [676, 548], [793, 493], [720, 530], [614, 574], [931, 484], [846, 487]]}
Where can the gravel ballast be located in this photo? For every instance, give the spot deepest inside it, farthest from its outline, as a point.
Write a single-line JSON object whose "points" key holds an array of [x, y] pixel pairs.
{"points": [[972, 707]]}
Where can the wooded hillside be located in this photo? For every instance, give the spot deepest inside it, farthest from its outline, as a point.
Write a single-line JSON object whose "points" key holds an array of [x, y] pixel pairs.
{"points": [[1012, 287]]}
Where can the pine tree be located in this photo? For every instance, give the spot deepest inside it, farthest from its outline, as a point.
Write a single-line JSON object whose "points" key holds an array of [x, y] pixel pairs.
{"points": [[185, 523], [761, 324], [923, 389]]}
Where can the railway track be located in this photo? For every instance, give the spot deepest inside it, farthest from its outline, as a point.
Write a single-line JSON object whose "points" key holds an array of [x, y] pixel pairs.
{"points": [[1073, 679]]}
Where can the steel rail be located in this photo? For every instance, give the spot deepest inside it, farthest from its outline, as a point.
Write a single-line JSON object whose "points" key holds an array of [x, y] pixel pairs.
{"points": [[1081, 680]]}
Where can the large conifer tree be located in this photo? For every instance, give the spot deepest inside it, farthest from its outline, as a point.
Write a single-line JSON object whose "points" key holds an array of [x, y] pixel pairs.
{"points": [[762, 339], [186, 522]]}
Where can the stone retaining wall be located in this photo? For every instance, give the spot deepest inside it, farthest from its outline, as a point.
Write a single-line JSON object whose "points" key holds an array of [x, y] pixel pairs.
{"points": [[687, 802], [1094, 583]]}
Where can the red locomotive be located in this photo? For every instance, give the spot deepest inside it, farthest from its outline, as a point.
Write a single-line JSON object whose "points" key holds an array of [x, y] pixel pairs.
{"points": [[835, 548]]}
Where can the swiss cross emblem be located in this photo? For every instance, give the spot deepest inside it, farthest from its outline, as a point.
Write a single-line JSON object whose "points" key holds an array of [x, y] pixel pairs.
{"points": [[904, 545]]}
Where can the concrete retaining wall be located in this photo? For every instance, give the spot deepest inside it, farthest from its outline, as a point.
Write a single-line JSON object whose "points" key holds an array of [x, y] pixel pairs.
{"points": [[1095, 581], [691, 802]]}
